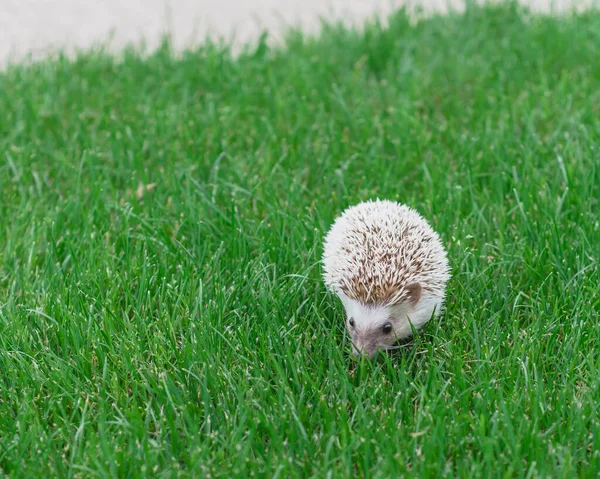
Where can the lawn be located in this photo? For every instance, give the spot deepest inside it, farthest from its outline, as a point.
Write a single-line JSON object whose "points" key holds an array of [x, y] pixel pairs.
{"points": [[162, 311]]}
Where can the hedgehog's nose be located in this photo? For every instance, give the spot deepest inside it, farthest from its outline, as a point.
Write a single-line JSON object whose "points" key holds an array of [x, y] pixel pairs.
{"points": [[361, 350], [356, 351]]}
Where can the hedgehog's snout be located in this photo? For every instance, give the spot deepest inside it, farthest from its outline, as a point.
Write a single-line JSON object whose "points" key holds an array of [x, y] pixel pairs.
{"points": [[361, 347], [360, 350]]}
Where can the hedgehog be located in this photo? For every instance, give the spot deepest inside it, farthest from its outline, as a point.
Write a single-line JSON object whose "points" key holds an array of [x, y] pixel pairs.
{"points": [[389, 269]]}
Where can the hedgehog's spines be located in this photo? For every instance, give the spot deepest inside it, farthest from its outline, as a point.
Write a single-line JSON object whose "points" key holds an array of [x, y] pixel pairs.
{"points": [[377, 248]]}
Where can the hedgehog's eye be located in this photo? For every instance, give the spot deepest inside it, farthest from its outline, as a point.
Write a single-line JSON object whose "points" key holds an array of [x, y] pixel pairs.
{"points": [[351, 321], [387, 328]]}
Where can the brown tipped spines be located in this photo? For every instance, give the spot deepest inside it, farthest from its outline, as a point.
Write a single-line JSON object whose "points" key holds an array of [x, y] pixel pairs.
{"points": [[382, 252]]}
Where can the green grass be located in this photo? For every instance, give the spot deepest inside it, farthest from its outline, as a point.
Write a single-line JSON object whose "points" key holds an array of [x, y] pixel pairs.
{"points": [[162, 312]]}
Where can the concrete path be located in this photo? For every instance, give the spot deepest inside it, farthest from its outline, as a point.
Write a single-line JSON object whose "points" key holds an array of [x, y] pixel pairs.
{"points": [[38, 27]]}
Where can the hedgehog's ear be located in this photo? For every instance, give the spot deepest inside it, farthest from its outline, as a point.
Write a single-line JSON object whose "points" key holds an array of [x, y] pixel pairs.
{"points": [[414, 293]]}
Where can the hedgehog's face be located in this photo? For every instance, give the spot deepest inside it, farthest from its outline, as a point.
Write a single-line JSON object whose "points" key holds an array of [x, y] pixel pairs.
{"points": [[377, 327], [372, 328]]}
